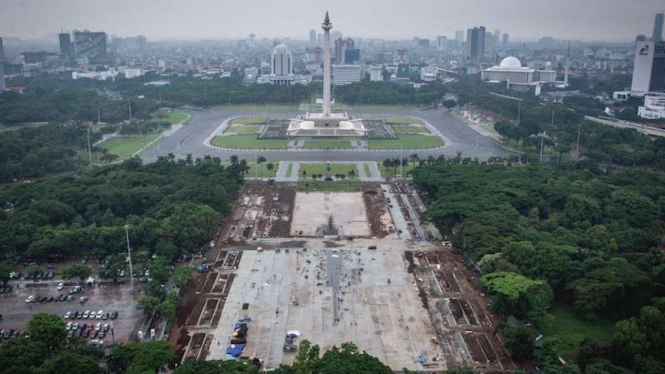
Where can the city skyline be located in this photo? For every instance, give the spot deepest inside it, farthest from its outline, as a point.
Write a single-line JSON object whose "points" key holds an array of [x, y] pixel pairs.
{"points": [[593, 20]]}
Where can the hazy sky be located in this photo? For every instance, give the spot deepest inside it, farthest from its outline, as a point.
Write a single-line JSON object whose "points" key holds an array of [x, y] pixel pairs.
{"points": [[395, 19]]}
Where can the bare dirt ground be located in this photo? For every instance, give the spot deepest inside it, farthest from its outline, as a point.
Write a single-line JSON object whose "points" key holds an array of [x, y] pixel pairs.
{"points": [[378, 214], [457, 309]]}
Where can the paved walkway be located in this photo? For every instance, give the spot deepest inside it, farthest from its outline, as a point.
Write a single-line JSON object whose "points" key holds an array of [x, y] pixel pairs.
{"points": [[284, 168], [374, 174]]}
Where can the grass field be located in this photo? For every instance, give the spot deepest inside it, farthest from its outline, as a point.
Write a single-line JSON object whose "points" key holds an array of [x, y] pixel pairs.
{"points": [[380, 107], [571, 329], [289, 170], [248, 142], [410, 129], [311, 169], [327, 144], [261, 171], [407, 142], [125, 147], [173, 118], [250, 120], [243, 129], [257, 107], [401, 120], [390, 172], [341, 186]]}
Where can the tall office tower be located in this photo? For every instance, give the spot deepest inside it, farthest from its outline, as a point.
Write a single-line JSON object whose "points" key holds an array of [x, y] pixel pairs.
{"points": [[640, 38], [441, 43], [497, 38], [341, 45], [91, 45], [475, 43], [505, 39], [649, 67], [658, 27], [352, 56], [281, 66], [459, 38], [2, 51], [312, 37], [66, 46], [3, 86], [489, 41]]}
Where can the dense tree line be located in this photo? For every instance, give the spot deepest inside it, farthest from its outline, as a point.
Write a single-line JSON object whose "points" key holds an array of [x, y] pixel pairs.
{"points": [[390, 93], [32, 152], [58, 98], [170, 205], [567, 233], [559, 126]]}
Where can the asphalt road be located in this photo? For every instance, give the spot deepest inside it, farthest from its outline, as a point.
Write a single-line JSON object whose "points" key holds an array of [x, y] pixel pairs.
{"points": [[190, 139]]}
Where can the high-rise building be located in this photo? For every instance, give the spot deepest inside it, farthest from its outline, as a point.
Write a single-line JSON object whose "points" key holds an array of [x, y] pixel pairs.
{"points": [[91, 45], [475, 43], [658, 27], [312, 37], [497, 38], [34, 57], [640, 38], [441, 43], [281, 66], [314, 54], [459, 36], [649, 67], [352, 56], [341, 45], [505, 39], [2, 50], [3, 86], [66, 46]]}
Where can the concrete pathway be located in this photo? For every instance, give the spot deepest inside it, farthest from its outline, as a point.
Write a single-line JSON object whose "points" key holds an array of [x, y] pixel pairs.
{"points": [[282, 170], [374, 174]]}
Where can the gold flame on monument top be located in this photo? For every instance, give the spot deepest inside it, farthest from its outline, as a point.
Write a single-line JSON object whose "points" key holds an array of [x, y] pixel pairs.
{"points": [[326, 20]]}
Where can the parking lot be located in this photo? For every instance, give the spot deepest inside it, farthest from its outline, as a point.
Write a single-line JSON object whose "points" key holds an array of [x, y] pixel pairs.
{"points": [[118, 298]]}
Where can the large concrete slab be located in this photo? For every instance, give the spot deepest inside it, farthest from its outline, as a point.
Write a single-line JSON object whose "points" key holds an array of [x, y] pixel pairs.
{"points": [[377, 304], [315, 211]]}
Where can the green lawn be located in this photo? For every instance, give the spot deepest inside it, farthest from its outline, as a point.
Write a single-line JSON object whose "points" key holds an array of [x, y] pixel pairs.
{"points": [[368, 172], [248, 142], [172, 117], [341, 186], [257, 107], [327, 144], [261, 171], [390, 172], [250, 120], [289, 170], [401, 120], [311, 169], [410, 129], [379, 108], [127, 146], [407, 142], [571, 329], [243, 129]]}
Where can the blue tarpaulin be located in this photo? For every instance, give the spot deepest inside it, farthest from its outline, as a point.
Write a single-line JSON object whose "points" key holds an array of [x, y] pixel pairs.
{"points": [[235, 350]]}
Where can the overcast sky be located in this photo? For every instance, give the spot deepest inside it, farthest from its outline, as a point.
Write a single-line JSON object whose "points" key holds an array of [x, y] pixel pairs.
{"points": [[391, 19]]}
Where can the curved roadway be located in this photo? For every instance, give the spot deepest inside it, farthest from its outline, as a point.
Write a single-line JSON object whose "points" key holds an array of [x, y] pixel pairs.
{"points": [[190, 139]]}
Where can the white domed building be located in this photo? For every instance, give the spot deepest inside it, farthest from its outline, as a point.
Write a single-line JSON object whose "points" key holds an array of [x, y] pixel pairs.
{"points": [[511, 70]]}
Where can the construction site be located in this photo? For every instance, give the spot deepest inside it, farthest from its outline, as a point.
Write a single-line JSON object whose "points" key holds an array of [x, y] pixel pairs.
{"points": [[335, 267]]}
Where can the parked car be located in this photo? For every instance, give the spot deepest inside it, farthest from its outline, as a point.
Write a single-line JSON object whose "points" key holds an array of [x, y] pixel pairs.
{"points": [[93, 334], [83, 299], [99, 314], [30, 299], [106, 327], [70, 298], [79, 315], [98, 326], [60, 286], [105, 316], [86, 314], [114, 315], [69, 326], [68, 315]]}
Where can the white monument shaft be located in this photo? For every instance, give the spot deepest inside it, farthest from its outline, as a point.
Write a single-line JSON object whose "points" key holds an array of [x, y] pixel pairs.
{"points": [[325, 122], [326, 26]]}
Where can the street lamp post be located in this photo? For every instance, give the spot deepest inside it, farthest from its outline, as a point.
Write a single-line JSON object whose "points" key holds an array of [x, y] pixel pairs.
{"points": [[129, 256]]}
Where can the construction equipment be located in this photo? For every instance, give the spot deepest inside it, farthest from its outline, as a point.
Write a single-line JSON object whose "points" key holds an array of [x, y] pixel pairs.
{"points": [[203, 267]]}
